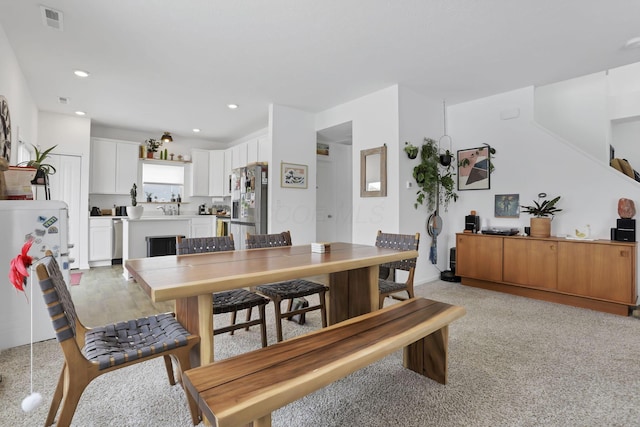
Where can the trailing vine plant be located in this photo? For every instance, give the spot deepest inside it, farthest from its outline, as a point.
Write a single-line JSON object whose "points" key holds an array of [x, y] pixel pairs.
{"points": [[436, 182]]}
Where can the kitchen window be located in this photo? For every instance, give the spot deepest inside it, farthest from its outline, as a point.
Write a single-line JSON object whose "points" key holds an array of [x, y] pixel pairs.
{"points": [[162, 182]]}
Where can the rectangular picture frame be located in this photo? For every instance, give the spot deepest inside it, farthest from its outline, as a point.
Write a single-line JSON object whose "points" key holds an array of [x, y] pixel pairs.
{"points": [[507, 206], [293, 175], [474, 168]]}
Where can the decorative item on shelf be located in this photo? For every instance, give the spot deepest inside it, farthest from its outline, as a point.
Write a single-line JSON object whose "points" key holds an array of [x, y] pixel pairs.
{"points": [[149, 196], [543, 213], [171, 156], [625, 230], [134, 211], [43, 169], [411, 150], [626, 208], [180, 157], [152, 147], [166, 137]]}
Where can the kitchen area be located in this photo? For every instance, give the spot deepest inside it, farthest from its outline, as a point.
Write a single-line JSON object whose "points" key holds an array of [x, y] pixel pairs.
{"points": [[193, 196]]}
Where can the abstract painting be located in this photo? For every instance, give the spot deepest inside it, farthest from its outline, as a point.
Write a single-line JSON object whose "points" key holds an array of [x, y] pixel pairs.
{"points": [[474, 168]]}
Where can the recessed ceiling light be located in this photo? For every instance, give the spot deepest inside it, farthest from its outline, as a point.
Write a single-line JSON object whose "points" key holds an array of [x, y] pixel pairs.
{"points": [[232, 106], [80, 113], [632, 43], [196, 130], [81, 73]]}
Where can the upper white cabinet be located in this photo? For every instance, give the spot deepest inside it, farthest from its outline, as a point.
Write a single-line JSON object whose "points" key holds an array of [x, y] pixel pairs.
{"points": [[239, 156], [207, 172], [228, 153], [264, 149], [114, 166], [252, 151]]}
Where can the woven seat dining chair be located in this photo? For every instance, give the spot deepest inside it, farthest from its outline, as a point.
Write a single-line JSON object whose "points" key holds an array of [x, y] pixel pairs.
{"points": [[233, 300], [387, 284], [290, 289], [91, 352]]}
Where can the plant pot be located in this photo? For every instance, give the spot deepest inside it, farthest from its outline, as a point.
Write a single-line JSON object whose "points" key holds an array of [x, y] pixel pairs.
{"points": [[135, 212], [540, 227], [445, 159], [39, 178], [412, 151], [150, 154]]}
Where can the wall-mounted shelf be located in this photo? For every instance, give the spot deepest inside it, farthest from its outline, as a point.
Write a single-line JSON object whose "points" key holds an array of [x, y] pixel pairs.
{"points": [[163, 203], [164, 162]]}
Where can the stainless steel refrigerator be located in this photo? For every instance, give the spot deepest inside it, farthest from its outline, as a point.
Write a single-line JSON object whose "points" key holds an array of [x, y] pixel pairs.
{"points": [[248, 202]]}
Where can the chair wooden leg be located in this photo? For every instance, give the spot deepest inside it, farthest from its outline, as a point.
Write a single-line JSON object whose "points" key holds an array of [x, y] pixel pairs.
{"points": [[248, 317], [263, 325], [323, 309], [276, 303], [233, 320], [57, 398], [381, 302], [73, 389], [169, 367], [184, 364]]}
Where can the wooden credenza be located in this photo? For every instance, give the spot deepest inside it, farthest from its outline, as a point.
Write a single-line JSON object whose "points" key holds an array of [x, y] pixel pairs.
{"points": [[599, 275]]}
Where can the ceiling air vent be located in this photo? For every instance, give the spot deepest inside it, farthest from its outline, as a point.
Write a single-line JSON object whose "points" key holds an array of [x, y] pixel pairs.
{"points": [[51, 18], [63, 100]]}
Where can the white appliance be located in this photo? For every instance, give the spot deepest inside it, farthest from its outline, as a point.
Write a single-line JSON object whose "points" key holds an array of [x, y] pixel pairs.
{"points": [[47, 223]]}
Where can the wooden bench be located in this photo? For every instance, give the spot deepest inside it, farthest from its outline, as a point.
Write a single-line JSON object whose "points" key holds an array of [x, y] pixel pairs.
{"points": [[248, 387]]}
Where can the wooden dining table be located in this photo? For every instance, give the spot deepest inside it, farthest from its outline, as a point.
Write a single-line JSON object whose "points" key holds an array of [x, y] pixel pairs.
{"points": [[190, 280]]}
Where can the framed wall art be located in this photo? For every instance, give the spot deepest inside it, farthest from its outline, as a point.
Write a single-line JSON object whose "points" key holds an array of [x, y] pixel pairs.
{"points": [[474, 168], [293, 176], [507, 206]]}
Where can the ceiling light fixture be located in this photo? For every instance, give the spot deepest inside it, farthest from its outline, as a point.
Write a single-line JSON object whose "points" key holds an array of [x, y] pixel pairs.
{"points": [[232, 106], [196, 130], [633, 43], [81, 73], [81, 113], [166, 137]]}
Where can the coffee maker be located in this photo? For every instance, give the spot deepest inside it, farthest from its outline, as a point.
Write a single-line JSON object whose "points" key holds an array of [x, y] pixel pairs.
{"points": [[202, 209]]}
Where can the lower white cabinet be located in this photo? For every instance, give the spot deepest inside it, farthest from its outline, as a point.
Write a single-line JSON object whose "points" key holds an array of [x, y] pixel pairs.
{"points": [[202, 227], [100, 241]]}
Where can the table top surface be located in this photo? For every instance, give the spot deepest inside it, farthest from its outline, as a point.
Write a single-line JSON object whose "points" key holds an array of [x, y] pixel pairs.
{"points": [[181, 276]]}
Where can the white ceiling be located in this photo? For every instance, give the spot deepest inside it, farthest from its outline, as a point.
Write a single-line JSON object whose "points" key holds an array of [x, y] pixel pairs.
{"points": [[174, 65]]}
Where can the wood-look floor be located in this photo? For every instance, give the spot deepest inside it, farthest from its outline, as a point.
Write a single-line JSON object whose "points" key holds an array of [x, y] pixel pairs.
{"points": [[105, 296]]}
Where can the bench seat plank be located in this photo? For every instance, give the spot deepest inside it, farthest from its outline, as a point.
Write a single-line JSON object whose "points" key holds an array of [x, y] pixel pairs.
{"points": [[250, 386]]}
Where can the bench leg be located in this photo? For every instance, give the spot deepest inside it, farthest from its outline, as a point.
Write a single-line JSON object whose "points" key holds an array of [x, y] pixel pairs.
{"points": [[263, 422], [428, 356]]}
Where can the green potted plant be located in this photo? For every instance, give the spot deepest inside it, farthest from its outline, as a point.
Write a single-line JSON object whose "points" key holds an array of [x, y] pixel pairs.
{"points": [[134, 211], [411, 150], [43, 169], [436, 182], [152, 146], [543, 212]]}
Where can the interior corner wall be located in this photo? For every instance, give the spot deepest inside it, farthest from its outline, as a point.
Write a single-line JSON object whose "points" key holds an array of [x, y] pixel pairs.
{"points": [[420, 117], [530, 160], [22, 109], [375, 122], [293, 137]]}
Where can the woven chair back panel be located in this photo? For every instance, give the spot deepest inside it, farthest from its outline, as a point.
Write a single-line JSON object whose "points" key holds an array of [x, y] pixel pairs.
{"points": [[197, 245], [399, 242], [59, 300], [268, 240]]}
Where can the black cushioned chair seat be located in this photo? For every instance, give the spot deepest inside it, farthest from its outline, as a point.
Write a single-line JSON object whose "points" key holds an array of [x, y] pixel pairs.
{"points": [[236, 299]]}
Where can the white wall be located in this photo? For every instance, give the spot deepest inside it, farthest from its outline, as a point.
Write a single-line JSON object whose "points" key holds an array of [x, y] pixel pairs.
{"points": [[293, 137], [375, 122], [71, 134], [22, 109], [625, 137], [576, 110], [530, 160]]}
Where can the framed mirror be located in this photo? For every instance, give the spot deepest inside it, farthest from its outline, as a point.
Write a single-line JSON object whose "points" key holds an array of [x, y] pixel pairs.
{"points": [[373, 172]]}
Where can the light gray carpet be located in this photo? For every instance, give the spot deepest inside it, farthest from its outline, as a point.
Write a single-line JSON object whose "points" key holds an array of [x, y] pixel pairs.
{"points": [[513, 362]]}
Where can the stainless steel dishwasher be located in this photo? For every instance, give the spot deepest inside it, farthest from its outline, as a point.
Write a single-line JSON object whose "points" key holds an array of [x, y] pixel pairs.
{"points": [[116, 242]]}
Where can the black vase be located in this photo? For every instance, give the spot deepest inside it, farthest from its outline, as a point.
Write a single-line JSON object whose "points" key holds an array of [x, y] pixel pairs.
{"points": [[445, 159], [39, 179]]}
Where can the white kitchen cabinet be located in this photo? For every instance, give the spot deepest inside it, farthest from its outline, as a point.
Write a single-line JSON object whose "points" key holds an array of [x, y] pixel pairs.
{"points": [[207, 173], [264, 149], [228, 153], [216, 173], [100, 241], [199, 172], [252, 151], [202, 227], [114, 166], [239, 157]]}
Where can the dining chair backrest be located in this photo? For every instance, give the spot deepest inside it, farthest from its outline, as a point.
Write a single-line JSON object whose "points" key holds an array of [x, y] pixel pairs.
{"points": [[268, 240], [59, 303], [196, 245], [400, 242]]}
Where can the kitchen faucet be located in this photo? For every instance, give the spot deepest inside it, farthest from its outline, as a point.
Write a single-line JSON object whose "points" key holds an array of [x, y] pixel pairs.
{"points": [[164, 212]]}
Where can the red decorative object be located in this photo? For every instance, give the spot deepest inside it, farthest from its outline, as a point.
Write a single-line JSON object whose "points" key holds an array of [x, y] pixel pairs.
{"points": [[626, 208], [18, 271]]}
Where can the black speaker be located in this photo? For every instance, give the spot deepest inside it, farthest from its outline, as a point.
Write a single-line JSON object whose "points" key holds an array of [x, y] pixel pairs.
{"points": [[625, 235], [626, 224]]}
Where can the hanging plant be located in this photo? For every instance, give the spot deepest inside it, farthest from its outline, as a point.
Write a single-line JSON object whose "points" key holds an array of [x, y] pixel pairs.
{"points": [[411, 150], [434, 179]]}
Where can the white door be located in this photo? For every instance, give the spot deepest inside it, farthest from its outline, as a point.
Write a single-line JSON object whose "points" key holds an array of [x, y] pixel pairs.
{"points": [[325, 202], [65, 186]]}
